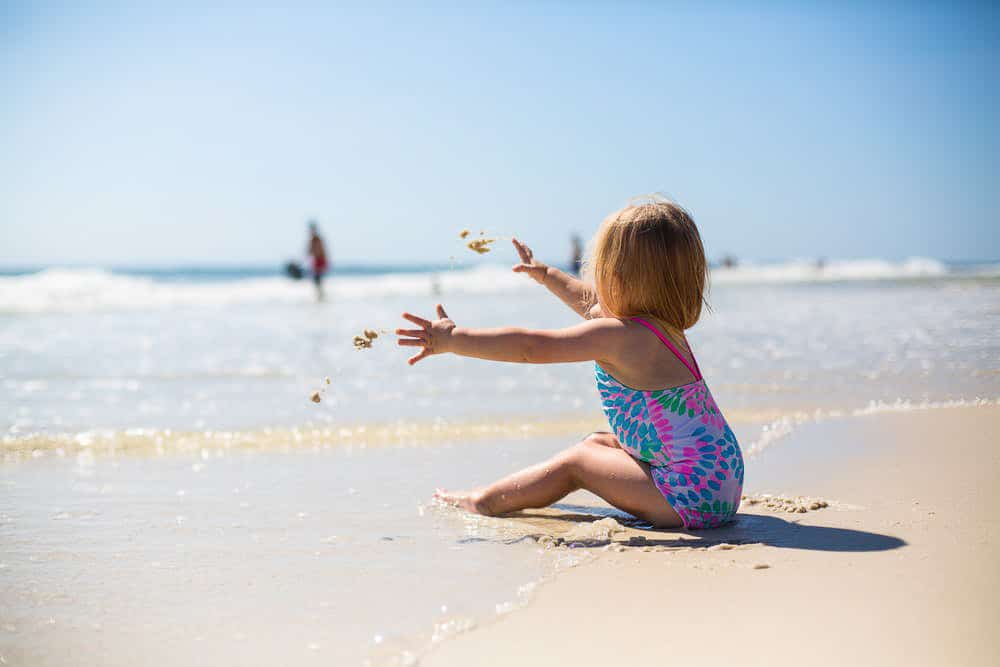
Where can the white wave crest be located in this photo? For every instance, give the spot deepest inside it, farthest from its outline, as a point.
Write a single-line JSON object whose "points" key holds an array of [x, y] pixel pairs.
{"points": [[85, 290], [833, 271]]}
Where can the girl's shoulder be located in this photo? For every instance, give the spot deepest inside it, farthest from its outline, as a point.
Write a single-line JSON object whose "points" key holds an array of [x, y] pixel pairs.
{"points": [[621, 340], [642, 359], [627, 327], [622, 329]]}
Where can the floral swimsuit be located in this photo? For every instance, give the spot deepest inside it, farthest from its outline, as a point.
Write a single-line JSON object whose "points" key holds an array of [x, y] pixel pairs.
{"points": [[692, 453]]}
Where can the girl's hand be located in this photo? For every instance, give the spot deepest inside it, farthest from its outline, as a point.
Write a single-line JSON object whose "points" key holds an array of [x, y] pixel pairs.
{"points": [[535, 269], [434, 337]]}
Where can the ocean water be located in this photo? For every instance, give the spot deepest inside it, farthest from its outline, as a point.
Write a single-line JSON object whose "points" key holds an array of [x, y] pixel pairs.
{"points": [[165, 480], [91, 350]]}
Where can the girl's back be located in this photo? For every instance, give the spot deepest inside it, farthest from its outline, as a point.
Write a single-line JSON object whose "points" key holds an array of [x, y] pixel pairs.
{"points": [[678, 430], [644, 362]]}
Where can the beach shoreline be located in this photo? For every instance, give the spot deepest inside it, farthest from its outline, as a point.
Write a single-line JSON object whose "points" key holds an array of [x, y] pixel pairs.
{"points": [[899, 568], [83, 526]]}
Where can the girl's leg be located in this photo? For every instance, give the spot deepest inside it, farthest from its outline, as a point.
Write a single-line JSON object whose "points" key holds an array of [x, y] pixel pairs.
{"points": [[596, 464]]}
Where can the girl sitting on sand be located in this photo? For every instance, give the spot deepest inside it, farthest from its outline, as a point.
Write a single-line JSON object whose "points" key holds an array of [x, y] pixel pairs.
{"points": [[672, 459]]}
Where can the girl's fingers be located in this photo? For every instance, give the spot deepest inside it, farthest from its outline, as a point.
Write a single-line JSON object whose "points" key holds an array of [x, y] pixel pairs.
{"points": [[412, 333], [520, 268], [440, 311], [522, 250], [416, 320], [417, 357], [411, 342]]}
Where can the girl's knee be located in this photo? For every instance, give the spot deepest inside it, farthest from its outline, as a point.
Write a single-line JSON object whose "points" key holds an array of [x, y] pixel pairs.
{"points": [[602, 438], [577, 459], [566, 463]]}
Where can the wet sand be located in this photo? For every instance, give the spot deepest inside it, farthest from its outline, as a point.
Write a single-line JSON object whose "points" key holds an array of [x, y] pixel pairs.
{"points": [[899, 568], [246, 556], [865, 538]]}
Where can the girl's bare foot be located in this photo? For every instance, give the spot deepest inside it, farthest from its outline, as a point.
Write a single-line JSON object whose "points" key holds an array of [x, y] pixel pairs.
{"points": [[465, 500]]}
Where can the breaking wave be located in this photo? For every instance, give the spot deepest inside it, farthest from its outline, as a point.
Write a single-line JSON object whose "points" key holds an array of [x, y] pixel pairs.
{"points": [[61, 290]]}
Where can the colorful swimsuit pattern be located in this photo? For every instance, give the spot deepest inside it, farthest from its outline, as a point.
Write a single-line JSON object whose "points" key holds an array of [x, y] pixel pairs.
{"points": [[692, 453]]}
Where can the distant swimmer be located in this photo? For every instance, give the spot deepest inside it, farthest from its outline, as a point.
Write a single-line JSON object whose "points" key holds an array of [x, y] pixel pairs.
{"points": [[317, 253], [576, 259]]}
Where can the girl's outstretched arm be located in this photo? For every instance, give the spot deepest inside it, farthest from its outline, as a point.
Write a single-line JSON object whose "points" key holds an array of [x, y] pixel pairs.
{"points": [[573, 292], [599, 339]]}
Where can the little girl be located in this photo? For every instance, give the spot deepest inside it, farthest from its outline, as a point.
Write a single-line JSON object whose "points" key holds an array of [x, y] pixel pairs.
{"points": [[672, 459]]}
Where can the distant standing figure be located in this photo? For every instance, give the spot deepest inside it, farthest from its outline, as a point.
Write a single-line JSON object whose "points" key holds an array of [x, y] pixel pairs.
{"points": [[317, 253], [576, 261]]}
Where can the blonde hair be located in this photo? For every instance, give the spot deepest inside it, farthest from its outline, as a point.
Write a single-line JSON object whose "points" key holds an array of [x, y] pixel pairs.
{"points": [[647, 260]]}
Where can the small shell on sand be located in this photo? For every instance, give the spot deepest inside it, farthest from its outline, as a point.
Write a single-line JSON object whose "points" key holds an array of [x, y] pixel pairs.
{"points": [[315, 398], [464, 234], [761, 566]]}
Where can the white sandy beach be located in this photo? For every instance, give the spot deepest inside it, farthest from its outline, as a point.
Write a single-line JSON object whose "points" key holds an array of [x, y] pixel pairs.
{"points": [[901, 568]]}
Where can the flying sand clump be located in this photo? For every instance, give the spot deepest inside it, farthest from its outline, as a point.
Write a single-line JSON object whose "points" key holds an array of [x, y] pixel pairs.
{"points": [[317, 396], [480, 245], [364, 341]]}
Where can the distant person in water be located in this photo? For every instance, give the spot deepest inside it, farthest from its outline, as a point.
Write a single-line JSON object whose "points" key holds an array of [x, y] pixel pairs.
{"points": [[576, 260], [317, 254]]}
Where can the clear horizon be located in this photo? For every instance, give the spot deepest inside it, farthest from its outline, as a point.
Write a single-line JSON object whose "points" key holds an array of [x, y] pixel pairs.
{"points": [[278, 267], [198, 137]]}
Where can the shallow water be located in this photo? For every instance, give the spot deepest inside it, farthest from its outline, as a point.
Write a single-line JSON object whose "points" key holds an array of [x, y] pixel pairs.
{"points": [[167, 488], [252, 558], [248, 366]]}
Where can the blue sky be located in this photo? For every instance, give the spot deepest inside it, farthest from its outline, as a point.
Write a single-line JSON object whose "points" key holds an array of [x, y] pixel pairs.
{"points": [[145, 134]]}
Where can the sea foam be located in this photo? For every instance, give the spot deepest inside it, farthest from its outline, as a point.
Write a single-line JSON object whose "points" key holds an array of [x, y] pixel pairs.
{"points": [[61, 290], [86, 290]]}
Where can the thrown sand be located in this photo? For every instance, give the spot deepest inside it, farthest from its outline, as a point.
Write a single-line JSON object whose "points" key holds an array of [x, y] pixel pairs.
{"points": [[481, 246], [365, 340]]}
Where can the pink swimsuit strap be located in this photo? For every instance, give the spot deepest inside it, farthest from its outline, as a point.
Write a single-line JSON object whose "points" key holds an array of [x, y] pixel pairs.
{"points": [[695, 371]]}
